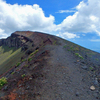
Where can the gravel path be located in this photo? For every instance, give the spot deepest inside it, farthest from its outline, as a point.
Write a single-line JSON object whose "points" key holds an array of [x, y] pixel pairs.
{"points": [[65, 79]]}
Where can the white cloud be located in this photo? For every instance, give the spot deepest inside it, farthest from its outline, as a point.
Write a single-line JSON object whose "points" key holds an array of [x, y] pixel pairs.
{"points": [[2, 34], [85, 19], [31, 17], [24, 17], [67, 35], [66, 11]]}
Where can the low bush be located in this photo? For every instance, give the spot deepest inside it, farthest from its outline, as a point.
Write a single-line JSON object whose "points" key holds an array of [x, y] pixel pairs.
{"points": [[3, 81]]}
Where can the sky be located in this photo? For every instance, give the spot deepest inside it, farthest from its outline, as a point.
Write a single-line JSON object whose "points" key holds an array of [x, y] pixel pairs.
{"points": [[74, 20]]}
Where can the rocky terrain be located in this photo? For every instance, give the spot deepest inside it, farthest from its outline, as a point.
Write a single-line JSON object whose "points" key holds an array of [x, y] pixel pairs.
{"points": [[46, 67]]}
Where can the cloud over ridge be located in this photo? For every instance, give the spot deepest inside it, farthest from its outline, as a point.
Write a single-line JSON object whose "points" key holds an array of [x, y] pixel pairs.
{"points": [[24, 17], [85, 18]]}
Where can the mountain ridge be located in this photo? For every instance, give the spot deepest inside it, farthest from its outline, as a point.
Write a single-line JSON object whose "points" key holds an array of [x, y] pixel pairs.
{"points": [[59, 69]]}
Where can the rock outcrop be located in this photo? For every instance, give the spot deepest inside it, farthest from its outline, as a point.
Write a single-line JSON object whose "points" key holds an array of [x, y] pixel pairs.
{"points": [[15, 40]]}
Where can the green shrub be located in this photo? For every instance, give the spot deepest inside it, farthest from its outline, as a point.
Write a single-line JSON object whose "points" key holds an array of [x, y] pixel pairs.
{"points": [[23, 75], [3, 81]]}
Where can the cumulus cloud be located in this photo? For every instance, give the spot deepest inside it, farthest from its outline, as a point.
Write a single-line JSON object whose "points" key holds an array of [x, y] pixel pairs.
{"points": [[24, 17], [67, 35], [85, 19], [3, 34]]}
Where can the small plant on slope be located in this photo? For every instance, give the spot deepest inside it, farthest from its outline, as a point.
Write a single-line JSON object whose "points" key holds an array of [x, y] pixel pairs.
{"points": [[77, 54], [29, 59], [18, 64], [34, 52], [3, 81], [23, 75]]}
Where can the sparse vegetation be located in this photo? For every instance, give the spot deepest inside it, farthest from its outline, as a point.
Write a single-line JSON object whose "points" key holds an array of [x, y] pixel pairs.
{"points": [[26, 66], [65, 46], [12, 73], [23, 60], [97, 59], [3, 81], [23, 75], [18, 64], [34, 52], [29, 59], [91, 68], [9, 58], [77, 54], [71, 48], [54, 43], [76, 49]]}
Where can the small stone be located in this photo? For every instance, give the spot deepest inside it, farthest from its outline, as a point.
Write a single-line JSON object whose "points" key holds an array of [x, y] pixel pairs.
{"points": [[77, 60], [92, 88], [83, 62], [28, 87], [5, 88], [20, 85], [96, 82], [77, 94], [30, 78], [57, 59], [85, 67]]}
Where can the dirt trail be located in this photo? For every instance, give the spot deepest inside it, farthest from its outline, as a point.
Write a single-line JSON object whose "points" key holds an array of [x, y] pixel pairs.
{"points": [[66, 80]]}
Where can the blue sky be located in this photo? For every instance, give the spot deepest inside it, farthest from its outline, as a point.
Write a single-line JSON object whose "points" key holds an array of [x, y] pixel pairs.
{"points": [[74, 20]]}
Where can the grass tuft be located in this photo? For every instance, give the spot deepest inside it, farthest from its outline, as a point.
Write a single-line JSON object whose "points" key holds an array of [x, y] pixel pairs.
{"points": [[77, 54], [3, 81], [34, 52]]}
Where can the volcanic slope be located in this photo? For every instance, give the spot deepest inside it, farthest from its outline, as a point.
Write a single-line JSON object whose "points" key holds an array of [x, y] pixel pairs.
{"points": [[46, 67]]}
